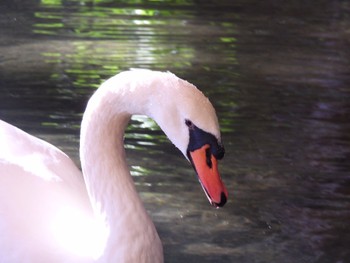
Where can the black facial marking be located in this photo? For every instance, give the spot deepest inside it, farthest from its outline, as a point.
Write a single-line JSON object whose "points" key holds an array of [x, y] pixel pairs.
{"points": [[198, 138]]}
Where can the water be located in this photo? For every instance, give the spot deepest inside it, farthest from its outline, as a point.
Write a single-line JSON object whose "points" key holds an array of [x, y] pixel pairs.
{"points": [[277, 74]]}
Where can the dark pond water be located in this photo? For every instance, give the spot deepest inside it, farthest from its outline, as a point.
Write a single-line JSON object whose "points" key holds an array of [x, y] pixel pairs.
{"points": [[278, 75]]}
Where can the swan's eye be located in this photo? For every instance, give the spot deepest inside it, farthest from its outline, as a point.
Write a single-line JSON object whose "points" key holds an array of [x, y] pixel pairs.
{"points": [[189, 124], [208, 157]]}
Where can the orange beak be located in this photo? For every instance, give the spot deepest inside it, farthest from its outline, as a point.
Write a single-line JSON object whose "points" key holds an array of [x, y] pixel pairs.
{"points": [[206, 166]]}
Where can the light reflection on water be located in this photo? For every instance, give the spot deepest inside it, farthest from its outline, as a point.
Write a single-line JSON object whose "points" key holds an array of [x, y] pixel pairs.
{"points": [[277, 76]]}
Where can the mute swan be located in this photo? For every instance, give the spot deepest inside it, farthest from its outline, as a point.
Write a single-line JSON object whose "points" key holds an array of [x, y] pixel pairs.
{"points": [[49, 213]]}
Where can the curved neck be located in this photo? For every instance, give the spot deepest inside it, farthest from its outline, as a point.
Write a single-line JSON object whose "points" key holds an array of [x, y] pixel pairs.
{"points": [[110, 186]]}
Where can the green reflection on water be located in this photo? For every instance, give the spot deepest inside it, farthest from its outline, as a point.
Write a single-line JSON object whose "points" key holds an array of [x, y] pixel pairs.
{"points": [[86, 2], [49, 124], [143, 122], [129, 34], [51, 2], [137, 170], [52, 25], [136, 133], [93, 19]]}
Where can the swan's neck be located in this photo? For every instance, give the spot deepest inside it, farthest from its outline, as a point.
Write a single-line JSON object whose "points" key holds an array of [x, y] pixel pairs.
{"points": [[110, 186]]}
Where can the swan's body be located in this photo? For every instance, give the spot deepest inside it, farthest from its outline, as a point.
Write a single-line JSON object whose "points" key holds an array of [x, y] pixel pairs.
{"points": [[48, 213]]}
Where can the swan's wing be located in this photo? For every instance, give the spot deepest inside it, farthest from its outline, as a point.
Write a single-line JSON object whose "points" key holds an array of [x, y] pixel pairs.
{"points": [[37, 183], [35, 156]]}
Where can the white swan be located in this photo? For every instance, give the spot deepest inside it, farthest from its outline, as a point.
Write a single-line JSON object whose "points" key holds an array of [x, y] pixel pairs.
{"points": [[46, 214]]}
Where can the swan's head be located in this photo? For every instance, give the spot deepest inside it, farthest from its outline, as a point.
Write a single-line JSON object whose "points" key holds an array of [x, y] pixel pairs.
{"points": [[204, 150], [190, 122], [184, 114]]}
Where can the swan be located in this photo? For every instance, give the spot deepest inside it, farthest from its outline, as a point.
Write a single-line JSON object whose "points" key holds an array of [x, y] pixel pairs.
{"points": [[49, 212]]}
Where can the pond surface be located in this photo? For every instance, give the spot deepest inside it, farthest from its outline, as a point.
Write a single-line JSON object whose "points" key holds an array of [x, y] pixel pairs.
{"points": [[278, 75]]}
